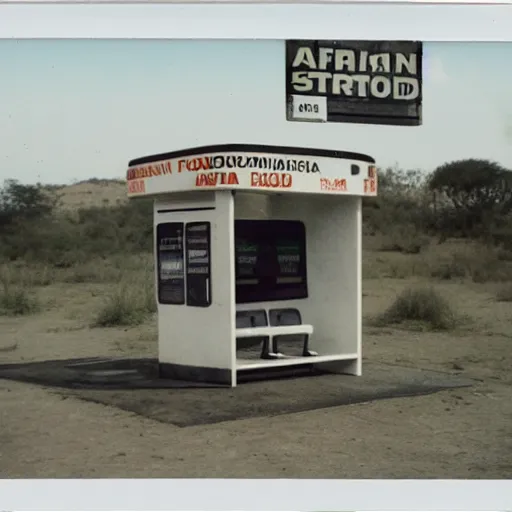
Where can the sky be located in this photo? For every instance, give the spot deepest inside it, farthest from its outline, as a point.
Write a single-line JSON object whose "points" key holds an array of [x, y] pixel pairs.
{"points": [[71, 110]]}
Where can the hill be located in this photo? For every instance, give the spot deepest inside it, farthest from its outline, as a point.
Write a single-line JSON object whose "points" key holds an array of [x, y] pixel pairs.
{"points": [[90, 193]]}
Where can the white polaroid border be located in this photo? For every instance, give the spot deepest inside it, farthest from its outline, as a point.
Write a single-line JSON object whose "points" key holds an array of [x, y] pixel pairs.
{"points": [[435, 22], [442, 2], [191, 21], [255, 495]]}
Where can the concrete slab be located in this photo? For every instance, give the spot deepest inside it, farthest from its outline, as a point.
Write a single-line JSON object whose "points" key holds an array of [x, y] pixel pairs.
{"points": [[132, 385]]}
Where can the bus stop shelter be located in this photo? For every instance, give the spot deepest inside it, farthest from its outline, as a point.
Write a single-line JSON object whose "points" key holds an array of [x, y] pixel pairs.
{"points": [[240, 292]]}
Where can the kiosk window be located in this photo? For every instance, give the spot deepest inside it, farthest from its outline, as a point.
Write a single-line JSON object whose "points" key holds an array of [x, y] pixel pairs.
{"points": [[270, 260], [198, 258], [171, 277]]}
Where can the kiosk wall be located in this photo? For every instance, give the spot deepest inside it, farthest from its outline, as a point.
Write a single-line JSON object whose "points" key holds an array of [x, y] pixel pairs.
{"points": [[195, 334]]}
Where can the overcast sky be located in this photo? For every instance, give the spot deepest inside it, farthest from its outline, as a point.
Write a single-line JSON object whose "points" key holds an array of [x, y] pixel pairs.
{"points": [[74, 109]]}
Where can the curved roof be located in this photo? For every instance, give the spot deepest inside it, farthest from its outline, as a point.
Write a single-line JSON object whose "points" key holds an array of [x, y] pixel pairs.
{"points": [[257, 148], [253, 167]]}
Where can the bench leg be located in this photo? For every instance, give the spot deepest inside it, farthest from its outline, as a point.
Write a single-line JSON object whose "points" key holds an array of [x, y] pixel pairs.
{"points": [[305, 351], [269, 349]]}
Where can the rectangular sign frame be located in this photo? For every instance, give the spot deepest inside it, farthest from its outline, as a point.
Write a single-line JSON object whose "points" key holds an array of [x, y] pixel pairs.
{"points": [[376, 82]]}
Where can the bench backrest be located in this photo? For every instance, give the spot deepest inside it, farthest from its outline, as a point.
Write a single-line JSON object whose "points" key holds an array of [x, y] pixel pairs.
{"points": [[285, 316], [251, 318]]}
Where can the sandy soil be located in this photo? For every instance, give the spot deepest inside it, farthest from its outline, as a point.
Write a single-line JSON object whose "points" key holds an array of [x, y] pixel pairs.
{"points": [[463, 433]]}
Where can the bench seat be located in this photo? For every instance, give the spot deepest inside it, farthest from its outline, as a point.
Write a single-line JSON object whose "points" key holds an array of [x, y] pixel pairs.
{"points": [[278, 330], [283, 322]]}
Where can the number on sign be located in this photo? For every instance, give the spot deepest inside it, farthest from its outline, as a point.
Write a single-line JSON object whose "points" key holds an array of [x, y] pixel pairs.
{"points": [[308, 107]]}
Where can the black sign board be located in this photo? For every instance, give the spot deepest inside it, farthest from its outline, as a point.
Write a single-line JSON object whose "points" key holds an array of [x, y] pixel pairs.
{"points": [[198, 264], [373, 82], [171, 276]]}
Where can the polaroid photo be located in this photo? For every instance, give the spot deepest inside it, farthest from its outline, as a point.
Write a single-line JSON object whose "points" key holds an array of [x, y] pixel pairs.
{"points": [[270, 243]]}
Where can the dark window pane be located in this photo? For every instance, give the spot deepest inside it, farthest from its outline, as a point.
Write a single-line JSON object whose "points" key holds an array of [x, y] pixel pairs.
{"points": [[171, 276], [270, 260]]}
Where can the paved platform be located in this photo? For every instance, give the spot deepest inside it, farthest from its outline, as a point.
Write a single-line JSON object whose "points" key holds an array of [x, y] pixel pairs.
{"points": [[133, 385]]}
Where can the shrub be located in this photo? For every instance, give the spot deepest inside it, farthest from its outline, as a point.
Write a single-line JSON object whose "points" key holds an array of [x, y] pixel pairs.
{"points": [[423, 305], [15, 299], [403, 202], [20, 203], [479, 193], [130, 303]]}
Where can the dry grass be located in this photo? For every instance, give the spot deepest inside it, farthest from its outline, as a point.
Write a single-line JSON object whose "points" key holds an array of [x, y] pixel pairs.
{"points": [[406, 240], [16, 298], [27, 275], [419, 306], [478, 263], [91, 193], [108, 270], [129, 303], [450, 261]]}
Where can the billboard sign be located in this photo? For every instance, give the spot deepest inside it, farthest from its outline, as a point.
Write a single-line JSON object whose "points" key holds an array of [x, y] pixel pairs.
{"points": [[373, 82]]}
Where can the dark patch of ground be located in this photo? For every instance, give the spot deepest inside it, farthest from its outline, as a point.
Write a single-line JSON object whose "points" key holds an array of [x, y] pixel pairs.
{"points": [[133, 385]]}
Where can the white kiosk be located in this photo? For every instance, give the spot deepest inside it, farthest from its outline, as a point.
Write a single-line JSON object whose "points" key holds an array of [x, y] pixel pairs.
{"points": [[240, 292]]}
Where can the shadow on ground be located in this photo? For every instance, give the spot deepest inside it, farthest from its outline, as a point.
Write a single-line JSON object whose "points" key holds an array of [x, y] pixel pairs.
{"points": [[133, 385]]}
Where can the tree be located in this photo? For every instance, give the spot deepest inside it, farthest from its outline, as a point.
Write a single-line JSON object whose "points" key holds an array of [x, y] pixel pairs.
{"points": [[20, 203], [479, 193]]}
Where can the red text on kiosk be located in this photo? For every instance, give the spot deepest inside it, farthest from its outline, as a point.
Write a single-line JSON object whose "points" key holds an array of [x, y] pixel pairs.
{"points": [[137, 187], [338, 185], [370, 186], [211, 179], [149, 171], [271, 180]]}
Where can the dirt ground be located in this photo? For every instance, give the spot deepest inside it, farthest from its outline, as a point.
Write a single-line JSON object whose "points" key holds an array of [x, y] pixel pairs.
{"points": [[462, 433]]}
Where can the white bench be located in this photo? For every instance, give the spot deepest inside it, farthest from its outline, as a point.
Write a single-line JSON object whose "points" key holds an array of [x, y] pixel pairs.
{"points": [[260, 328]]}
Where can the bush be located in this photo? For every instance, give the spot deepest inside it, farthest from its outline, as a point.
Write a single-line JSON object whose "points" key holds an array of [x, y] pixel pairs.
{"points": [[129, 304], [121, 308], [422, 305], [403, 202], [15, 299], [479, 193], [19, 203], [64, 240]]}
